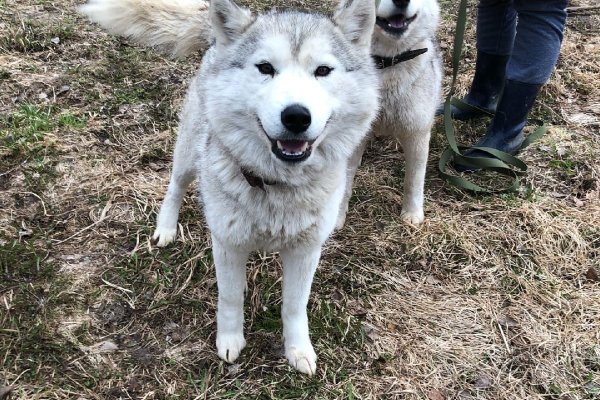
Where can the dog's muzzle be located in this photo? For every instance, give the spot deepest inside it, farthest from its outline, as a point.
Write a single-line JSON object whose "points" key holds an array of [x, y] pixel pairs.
{"points": [[293, 146], [396, 24], [291, 150]]}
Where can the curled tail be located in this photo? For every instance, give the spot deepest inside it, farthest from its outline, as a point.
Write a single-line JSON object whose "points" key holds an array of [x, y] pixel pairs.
{"points": [[176, 27]]}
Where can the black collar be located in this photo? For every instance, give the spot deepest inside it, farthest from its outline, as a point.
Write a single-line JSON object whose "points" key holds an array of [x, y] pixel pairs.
{"points": [[256, 181], [384, 62]]}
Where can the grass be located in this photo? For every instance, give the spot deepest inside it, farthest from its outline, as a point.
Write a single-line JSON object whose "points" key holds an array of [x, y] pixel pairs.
{"points": [[491, 298], [25, 129]]}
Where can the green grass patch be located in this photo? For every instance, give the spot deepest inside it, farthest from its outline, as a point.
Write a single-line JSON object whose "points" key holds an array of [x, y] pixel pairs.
{"points": [[23, 140], [24, 130], [72, 120], [29, 36]]}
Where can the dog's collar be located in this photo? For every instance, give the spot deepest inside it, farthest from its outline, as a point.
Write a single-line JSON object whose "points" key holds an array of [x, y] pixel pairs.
{"points": [[256, 181], [385, 62]]}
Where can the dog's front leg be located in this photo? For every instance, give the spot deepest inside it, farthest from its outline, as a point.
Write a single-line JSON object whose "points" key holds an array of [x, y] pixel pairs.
{"points": [[299, 267], [184, 171], [416, 150], [230, 265]]}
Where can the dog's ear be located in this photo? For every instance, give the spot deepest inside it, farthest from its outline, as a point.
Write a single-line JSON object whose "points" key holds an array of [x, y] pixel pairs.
{"points": [[228, 20], [356, 19]]}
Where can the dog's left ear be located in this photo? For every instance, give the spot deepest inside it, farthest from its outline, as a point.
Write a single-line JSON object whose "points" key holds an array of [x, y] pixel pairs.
{"points": [[356, 19], [228, 20]]}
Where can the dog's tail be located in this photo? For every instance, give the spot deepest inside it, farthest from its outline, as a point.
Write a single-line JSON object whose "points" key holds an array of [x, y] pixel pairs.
{"points": [[177, 27]]}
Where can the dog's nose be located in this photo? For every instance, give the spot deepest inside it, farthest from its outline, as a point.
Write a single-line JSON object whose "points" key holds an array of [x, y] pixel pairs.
{"points": [[401, 3], [296, 118]]}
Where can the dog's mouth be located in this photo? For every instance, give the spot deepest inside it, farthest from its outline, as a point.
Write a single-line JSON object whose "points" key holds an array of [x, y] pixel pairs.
{"points": [[396, 24], [291, 150]]}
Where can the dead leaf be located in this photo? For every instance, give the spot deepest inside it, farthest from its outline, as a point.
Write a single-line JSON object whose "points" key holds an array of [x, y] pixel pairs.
{"points": [[561, 151], [234, 369], [482, 382], [106, 346], [507, 322], [337, 296], [370, 332], [62, 89], [592, 274], [435, 394], [5, 391]]}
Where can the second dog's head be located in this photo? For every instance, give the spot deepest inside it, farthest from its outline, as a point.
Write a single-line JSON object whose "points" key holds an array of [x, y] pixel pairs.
{"points": [[291, 89], [401, 24]]}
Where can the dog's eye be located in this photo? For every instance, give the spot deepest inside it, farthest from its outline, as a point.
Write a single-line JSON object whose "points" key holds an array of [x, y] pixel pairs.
{"points": [[265, 68], [323, 70]]}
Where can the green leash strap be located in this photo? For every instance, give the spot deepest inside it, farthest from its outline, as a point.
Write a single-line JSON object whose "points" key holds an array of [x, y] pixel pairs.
{"points": [[501, 163]]}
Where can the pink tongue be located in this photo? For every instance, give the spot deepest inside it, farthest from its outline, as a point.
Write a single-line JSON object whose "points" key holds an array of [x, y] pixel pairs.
{"points": [[397, 21], [293, 146]]}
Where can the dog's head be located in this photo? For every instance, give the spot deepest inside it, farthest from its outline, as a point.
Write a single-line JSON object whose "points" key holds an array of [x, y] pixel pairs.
{"points": [[402, 23], [291, 89]]}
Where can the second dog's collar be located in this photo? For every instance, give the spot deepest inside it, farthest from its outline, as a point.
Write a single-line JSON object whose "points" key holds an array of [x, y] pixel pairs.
{"points": [[385, 62]]}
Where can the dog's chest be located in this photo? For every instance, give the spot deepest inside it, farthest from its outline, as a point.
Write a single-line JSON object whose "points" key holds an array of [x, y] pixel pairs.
{"points": [[271, 218]]}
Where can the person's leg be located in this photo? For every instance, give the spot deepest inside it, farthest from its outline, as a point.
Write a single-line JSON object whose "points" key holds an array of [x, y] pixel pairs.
{"points": [[535, 53], [496, 22]]}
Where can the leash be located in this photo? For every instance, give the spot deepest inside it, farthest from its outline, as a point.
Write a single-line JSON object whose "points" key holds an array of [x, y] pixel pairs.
{"points": [[501, 162]]}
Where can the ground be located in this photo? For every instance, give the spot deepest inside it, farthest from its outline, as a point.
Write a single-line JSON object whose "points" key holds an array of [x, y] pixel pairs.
{"points": [[493, 297]]}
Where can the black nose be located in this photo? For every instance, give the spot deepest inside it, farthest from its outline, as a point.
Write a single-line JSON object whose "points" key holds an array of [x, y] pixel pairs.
{"points": [[401, 3], [296, 118]]}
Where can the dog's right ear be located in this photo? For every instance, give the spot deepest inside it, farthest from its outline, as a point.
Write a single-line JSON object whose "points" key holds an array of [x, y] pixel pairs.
{"points": [[228, 20], [356, 19]]}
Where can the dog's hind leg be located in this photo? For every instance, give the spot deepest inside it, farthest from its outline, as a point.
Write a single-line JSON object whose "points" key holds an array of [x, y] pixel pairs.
{"points": [[416, 150], [184, 172], [353, 164], [230, 265], [299, 267]]}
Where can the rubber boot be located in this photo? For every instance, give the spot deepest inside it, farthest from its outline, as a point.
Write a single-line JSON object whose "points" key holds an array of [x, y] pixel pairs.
{"points": [[505, 132], [486, 88]]}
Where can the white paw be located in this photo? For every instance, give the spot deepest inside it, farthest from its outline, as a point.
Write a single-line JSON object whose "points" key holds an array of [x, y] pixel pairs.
{"points": [[230, 345], [412, 217], [164, 236], [303, 359]]}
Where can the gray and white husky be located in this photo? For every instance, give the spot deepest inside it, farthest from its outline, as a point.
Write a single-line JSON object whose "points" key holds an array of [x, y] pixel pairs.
{"points": [[405, 49], [280, 104], [230, 119]]}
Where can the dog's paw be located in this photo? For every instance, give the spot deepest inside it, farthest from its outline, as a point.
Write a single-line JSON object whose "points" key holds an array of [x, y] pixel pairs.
{"points": [[164, 236], [230, 345], [303, 359], [412, 217]]}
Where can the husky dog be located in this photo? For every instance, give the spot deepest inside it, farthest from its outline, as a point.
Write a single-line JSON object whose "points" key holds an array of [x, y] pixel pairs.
{"points": [[281, 102], [405, 49], [403, 46]]}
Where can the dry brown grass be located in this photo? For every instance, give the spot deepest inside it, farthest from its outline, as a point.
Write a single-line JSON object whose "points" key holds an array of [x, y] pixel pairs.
{"points": [[492, 298]]}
